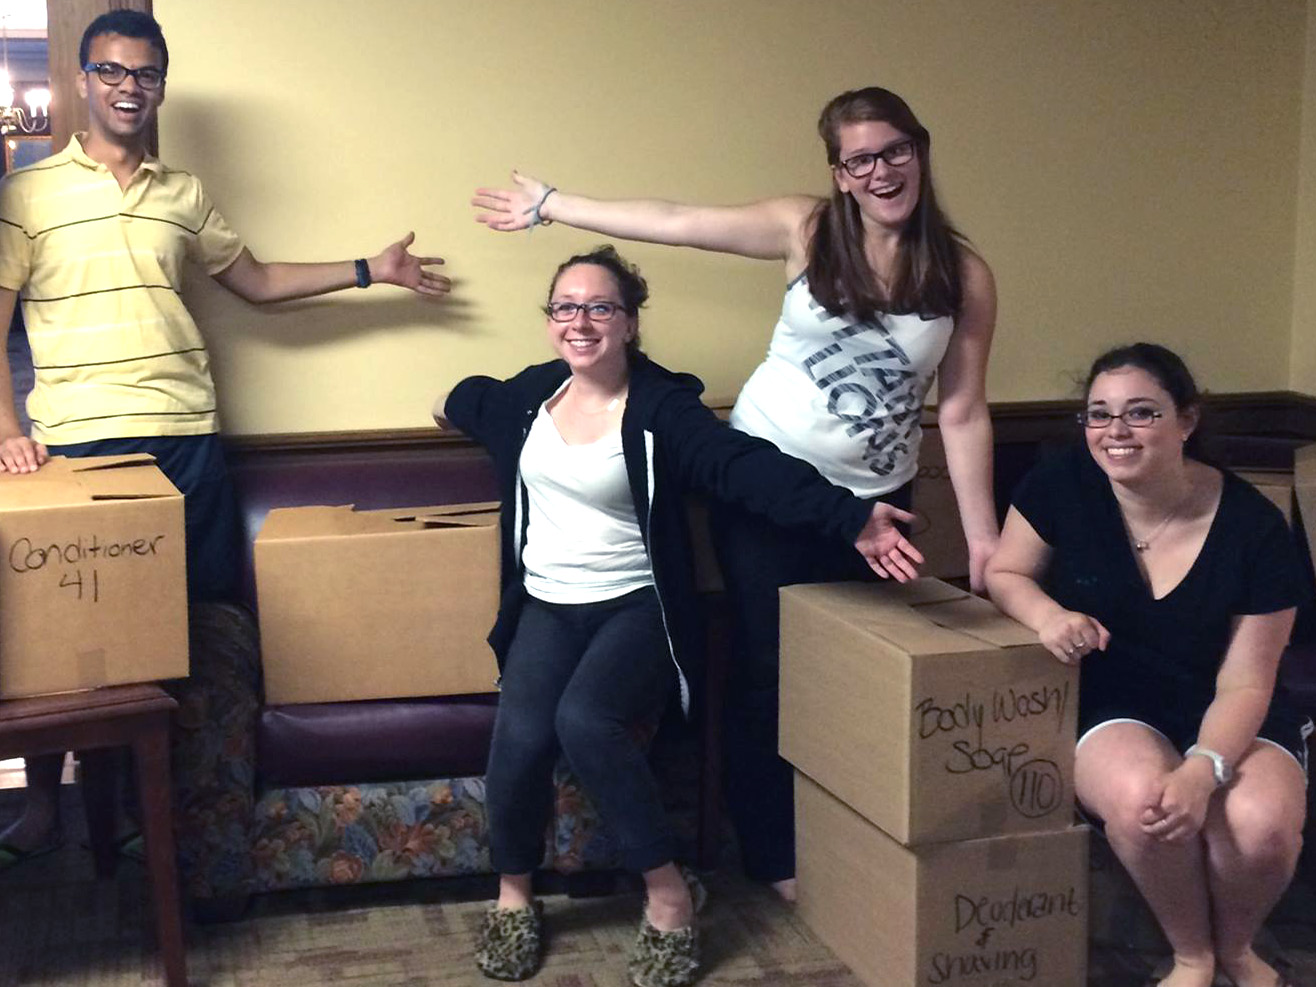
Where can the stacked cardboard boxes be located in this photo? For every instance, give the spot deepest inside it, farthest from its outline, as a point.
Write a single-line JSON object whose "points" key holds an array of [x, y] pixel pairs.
{"points": [[933, 740], [937, 530], [1304, 491]]}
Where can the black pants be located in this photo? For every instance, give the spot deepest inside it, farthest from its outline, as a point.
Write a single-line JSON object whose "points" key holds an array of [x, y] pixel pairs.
{"points": [[576, 679], [757, 558]]}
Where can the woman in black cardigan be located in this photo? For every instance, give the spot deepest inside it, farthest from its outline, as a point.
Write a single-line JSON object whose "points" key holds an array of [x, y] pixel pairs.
{"points": [[595, 453]]}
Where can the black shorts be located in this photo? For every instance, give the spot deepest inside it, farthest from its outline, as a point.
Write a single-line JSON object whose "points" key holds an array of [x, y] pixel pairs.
{"points": [[1284, 727], [195, 465]]}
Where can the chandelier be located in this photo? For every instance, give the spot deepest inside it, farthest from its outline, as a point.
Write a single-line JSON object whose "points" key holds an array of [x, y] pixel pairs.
{"points": [[12, 117]]}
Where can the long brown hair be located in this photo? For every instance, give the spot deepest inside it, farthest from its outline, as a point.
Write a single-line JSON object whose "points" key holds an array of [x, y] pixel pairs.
{"points": [[926, 279]]}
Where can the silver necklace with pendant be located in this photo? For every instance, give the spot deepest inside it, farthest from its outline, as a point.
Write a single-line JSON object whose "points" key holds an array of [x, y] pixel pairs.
{"points": [[1142, 544]]}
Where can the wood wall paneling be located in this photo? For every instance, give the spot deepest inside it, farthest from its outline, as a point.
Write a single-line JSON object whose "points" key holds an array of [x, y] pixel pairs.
{"points": [[66, 20], [1256, 429]]}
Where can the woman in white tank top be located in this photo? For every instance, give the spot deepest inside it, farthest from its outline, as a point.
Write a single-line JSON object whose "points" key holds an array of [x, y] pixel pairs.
{"points": [[883, 295]]}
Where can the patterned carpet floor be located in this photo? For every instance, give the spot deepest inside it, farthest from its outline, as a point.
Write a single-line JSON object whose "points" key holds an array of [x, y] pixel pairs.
{"points": [[60, 927]]}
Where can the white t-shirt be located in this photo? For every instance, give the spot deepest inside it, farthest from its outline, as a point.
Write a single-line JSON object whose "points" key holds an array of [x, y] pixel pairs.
{"points": [[842, 395], [583, 542]]}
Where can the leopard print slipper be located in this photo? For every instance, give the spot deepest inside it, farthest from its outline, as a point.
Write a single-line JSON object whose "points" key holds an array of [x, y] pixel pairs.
{"points": [[669, 959], [511, 942], [664, 959]]}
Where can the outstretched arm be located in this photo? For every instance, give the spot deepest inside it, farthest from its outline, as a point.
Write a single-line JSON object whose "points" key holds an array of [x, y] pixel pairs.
{"points": [[440, 416], [259, 282], [772, 229], [1012, 578], [888, 552], [966, 425], [712, 457]]}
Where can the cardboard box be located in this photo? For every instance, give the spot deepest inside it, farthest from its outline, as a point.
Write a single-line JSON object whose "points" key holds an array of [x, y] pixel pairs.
{"points": [[938, 532], [377, 604], [1304, 491], [93, 591], [926, 709], [1001, 911]]}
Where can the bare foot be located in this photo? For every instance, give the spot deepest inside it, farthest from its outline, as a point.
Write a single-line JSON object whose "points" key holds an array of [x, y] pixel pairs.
{"points": [[1190, 972], [669, 906], [514, 891], [1250, 970], [786, 889]]}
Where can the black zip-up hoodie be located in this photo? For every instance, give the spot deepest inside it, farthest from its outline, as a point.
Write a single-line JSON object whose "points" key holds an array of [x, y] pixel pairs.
{"points": [[672, 445]]}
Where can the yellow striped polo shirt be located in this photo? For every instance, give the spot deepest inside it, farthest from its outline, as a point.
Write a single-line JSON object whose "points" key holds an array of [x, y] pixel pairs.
{"points": [[100, 270]]}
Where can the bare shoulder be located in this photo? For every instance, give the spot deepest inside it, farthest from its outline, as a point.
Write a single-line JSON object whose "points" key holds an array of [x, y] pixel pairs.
{"points": [[799, 213], [976, 275]]}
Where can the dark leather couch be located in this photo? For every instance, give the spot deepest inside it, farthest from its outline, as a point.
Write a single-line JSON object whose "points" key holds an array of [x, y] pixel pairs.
{"points": [[275, 797]]}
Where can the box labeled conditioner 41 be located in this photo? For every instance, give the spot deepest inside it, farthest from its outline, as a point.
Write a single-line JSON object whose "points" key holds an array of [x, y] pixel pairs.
{"points": [[93, 584]]}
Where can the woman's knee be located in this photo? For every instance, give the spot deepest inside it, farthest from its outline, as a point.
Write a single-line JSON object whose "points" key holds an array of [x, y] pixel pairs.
{"points": [[582, 728], [519, 750], [1261, 830], [1123, 803]]}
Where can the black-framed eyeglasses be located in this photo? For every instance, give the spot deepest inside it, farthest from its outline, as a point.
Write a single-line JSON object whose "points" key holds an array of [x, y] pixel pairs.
{"points": [[594, 311], [1139, 416], [112, 73], [897, 154]]}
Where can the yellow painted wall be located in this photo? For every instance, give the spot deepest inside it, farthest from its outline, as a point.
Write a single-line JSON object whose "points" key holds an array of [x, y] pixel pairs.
{"points": [[1302, 371], [1129, 169]]}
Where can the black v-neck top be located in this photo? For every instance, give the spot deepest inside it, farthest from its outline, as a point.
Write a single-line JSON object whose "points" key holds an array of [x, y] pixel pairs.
{"points": [[1164, 653]]}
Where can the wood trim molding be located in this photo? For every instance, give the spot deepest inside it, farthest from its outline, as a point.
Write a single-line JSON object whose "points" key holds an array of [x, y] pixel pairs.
{"points": [[1286, 416]]}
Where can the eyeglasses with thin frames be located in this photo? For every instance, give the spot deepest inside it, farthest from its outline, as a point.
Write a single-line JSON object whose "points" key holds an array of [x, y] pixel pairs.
{"points": [[112, 73], [897, 154], [1139, 416], [594, 311]]}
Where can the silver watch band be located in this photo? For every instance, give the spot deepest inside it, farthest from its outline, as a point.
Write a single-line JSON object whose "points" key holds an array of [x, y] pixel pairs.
{"points": [[1219, 766]]}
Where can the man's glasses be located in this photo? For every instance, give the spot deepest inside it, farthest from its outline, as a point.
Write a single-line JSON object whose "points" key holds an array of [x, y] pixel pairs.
{"points": [[1139, 416], [594, 311], [112, 73], [897, 154]]}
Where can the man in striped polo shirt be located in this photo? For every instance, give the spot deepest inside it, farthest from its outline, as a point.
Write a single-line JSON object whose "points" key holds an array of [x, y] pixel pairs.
{"points": [[95, 239]]}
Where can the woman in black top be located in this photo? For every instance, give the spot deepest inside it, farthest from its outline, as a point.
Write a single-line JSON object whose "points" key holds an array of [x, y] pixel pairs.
{"points": [[598, 624], [1175, 584]]}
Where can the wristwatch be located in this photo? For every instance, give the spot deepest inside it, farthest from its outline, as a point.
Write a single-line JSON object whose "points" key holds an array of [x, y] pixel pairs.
{"points": [[1219, 766]]}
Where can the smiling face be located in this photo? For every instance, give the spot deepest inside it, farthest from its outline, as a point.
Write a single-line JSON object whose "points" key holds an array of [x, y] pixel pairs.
{"points": [[1133, 454], [889, 194], [123, 113], [590, 345]]}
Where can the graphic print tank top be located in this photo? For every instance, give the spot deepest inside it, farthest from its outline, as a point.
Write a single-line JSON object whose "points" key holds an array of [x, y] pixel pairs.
{"points": [[844, 395]]}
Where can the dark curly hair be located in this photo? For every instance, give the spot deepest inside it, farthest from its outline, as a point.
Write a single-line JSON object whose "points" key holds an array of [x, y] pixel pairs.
{"points": [[129, 24]]}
